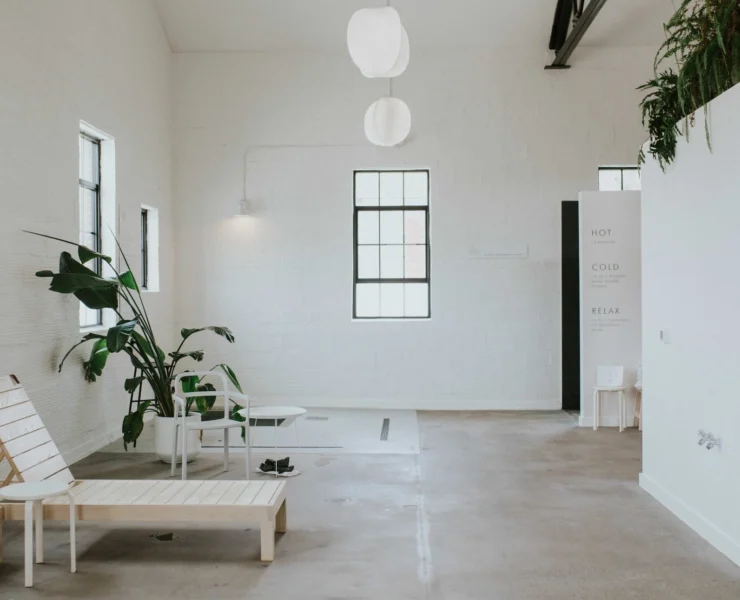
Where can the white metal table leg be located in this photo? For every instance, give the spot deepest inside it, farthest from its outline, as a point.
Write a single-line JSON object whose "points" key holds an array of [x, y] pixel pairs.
{"points": [[29, 543], [72, 534], [38, 510]]}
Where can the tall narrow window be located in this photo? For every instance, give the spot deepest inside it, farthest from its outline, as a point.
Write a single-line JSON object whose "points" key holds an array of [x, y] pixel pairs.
{"points": [[149, 279], [617, 179], [391, 245], [90, 215], [144, 248]]}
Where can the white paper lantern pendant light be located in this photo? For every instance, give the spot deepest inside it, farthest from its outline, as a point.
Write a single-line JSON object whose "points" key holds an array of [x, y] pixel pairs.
{"points": [[388, 122], [379, 46], [378, 42]]}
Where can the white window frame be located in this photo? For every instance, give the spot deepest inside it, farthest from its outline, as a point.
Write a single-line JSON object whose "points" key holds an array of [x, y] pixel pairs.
{"points": [[152, 245], [108, 213], [621, 169]]}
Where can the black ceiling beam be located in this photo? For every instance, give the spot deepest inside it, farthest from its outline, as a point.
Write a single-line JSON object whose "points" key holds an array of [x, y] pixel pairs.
{"points": [[561, 24], [579, 29]]}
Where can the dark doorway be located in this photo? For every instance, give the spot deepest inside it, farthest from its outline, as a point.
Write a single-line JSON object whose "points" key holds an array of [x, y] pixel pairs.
{"points": [[571, 307]]}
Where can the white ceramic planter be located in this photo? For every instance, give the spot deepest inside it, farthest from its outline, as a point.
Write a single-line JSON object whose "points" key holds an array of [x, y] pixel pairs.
{"points": [[163, 433]]}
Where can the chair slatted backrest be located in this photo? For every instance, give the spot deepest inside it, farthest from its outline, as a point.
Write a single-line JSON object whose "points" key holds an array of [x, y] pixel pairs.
{"points": [[24, 441]]}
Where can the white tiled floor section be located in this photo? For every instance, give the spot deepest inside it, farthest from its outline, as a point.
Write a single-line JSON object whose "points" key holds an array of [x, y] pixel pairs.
{"points": [[320, 431], [327, 431]]}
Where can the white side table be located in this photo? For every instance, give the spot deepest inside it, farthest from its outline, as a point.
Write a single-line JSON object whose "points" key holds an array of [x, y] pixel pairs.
{"points": [[275, 413], [33, 494]]}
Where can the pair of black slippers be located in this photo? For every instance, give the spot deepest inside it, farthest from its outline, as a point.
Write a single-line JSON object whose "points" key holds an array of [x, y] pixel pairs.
{"points": [[283, 466]]}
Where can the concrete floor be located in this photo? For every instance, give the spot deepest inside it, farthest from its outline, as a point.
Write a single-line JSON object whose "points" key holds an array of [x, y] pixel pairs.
{"points": [[497, 506]]}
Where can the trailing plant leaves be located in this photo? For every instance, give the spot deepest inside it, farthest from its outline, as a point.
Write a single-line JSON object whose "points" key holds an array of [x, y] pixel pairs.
{"points": [[224, 332], [703, 39], [119, 335], [129, 280], [133, 383], [94, 366], [45, 273]]}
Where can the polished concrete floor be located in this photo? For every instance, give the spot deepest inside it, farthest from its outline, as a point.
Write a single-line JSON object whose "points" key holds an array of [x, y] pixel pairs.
{"points": [[496, 506]]}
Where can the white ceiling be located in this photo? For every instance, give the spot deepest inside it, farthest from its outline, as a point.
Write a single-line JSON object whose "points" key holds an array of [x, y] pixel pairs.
{"points": [[259, 25]]}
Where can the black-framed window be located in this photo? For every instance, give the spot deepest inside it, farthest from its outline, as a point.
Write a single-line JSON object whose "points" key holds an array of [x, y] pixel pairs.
{"points": [[392, 258], [144, 248], [90, 214], [617, 179]]}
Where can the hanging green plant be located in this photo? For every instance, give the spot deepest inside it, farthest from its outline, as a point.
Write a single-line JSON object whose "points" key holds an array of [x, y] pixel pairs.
{"points": [[703, 41]]}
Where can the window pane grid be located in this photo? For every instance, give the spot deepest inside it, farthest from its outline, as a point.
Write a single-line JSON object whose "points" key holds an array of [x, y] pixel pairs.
{"points": [[615, 179], [391, 239]]}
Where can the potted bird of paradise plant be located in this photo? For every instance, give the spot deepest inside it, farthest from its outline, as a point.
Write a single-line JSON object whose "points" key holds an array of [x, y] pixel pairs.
{"points": [[134, 336]]}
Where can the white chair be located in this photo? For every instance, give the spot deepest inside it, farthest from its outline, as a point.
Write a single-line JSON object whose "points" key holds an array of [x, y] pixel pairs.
{"points": [[638, 397], [179, 422], [610, 379]]}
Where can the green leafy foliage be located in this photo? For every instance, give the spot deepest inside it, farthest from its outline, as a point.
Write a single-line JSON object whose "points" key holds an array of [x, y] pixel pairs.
{"points": [[133, 425], [94, 366], [703, 41], [119, 335], [133, 335]]}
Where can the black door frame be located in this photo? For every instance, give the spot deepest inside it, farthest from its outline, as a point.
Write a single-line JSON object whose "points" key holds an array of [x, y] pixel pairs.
{"points": [[571, 305]]}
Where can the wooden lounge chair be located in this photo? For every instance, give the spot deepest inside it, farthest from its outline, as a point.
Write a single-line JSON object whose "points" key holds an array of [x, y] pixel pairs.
{"points": [[33, 456]]}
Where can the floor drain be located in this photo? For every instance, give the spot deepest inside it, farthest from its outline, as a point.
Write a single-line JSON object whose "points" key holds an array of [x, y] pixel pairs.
{"points": [[164, 537]]}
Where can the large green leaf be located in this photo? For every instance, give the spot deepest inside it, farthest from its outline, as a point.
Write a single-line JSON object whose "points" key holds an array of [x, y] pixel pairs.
{"points": [[147, 347], [83, 252], [99, 293], [230, 374], [133, 425], [129, 280], [87, 255], [119, 335], [133, 383], [98, 357], [224, 332], [87, 338], [196, 355]]}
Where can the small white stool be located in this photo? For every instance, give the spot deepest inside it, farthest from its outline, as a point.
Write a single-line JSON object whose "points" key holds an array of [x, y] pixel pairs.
{"points": [[610, 379], [33, 494], [275, 413]]}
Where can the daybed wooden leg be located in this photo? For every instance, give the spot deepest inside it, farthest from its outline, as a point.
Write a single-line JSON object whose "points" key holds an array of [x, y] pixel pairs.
{"points": [[267, 533], [281, 518]]}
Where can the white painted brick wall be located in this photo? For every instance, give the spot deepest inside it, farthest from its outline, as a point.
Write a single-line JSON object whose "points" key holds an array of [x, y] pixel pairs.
{"points": [[506, 142], [107, 63]]}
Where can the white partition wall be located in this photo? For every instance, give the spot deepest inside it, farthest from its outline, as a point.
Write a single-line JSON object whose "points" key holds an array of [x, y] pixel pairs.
{"points": [[611, 320], [691, 298]]}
